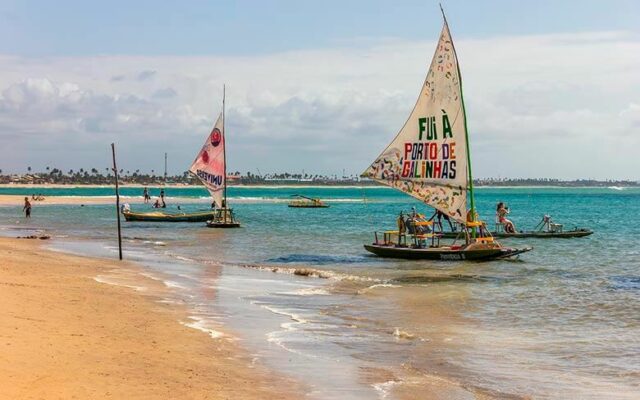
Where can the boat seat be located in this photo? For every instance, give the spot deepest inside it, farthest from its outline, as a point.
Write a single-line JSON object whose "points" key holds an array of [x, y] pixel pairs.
{"points": [[423, 223], [474, 224], [426, 235], [499, 225], [487, 239]]}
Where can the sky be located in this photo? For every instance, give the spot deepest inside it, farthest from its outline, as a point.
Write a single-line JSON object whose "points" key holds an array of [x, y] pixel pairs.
{"points": [[552, 88]]}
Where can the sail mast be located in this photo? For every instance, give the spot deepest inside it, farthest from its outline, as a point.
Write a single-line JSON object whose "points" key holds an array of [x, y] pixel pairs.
{"points": [[466, 130], [224, 148]]}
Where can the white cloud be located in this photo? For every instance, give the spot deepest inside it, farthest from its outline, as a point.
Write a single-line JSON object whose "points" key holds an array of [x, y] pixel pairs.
{"points": [[549, 105]]}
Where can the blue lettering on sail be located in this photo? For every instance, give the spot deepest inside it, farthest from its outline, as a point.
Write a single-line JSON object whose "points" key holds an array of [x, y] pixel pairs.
{"points": [[209, 178]]}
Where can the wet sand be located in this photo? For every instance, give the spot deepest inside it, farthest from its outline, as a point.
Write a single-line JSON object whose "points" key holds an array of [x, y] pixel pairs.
{"points": [[65, 335]]}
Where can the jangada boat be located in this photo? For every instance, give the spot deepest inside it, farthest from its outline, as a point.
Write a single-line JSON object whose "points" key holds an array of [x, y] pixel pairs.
{"points": [[546, 229], [160, 216], [301, 201], [429, 159], [210, 166]]}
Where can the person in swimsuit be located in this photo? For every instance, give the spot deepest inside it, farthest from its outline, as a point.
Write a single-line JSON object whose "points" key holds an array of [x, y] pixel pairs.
{"points": [[502, 211], [27, 208]]}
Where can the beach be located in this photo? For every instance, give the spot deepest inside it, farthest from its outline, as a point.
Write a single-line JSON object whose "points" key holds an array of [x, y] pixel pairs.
{"points": [[66, 335], [292, 296]]}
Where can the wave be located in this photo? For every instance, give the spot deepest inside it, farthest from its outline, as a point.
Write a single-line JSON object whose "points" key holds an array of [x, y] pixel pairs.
{"points": [[318, 259], [111, 281], [200, 324]]}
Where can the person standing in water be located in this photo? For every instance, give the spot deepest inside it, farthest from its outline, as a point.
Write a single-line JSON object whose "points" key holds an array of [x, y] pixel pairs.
{"points": [[27, 208], [145, 193], [164, 205]]}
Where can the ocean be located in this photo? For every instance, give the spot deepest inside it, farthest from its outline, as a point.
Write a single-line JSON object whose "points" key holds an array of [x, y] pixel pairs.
{"points": [[305, 298]]}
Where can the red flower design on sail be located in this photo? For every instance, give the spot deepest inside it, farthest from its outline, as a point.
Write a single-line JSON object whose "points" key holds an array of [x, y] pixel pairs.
{"points": [[216, 137], [205, 157]]}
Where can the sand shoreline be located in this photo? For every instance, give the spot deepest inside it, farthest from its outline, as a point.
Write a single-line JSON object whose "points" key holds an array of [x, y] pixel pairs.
{"points": [[65, 335]]}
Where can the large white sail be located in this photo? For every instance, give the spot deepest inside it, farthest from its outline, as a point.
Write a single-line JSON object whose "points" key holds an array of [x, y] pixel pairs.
{"points": [[209, 165], [428, 157]]}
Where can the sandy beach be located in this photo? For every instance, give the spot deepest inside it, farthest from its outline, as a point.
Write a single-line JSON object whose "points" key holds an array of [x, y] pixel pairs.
{"points": [[65, 335]]}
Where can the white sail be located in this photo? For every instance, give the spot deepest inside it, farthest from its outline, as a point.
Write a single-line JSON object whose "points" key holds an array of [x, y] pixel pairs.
{"points": [[428, 157], [209, 165]]}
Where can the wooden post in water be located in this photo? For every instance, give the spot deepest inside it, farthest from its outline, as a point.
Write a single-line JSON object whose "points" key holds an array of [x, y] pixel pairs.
{"points": [[115, 173]]}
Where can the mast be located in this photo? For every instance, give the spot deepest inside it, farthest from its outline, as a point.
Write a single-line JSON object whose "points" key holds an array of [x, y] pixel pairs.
{"points": [[466, 130], [165, 167], [224, 148]]}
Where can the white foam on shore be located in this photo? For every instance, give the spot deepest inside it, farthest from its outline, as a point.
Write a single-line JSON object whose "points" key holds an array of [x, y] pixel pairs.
{"points": [[173, 284], [384, 389], [378, 286], [113, 281], [200, 324]]}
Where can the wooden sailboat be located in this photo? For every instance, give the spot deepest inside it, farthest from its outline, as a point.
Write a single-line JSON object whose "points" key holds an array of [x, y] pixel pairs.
{"points": [[429, 159], [210, 166], [301, 201]]}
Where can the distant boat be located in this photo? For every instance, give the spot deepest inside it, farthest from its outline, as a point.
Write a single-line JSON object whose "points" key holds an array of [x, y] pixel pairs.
{"points": [[301, 201], [429, 159], [210, 166], [160, 216]]}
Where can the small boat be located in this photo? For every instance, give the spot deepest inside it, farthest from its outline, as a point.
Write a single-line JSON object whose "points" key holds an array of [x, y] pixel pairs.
{"points": [[160, 216], [429, 159], [210, 166], [546, 229], [301, 201]]}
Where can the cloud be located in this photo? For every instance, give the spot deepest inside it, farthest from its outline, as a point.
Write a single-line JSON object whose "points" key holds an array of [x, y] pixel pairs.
{"points": [[545, 105], [166, 93], [146, 75]]}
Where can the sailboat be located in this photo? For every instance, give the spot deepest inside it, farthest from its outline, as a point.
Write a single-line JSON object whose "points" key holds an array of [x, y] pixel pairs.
{"points": [[210, 166], [300, 201], [429, 159]]}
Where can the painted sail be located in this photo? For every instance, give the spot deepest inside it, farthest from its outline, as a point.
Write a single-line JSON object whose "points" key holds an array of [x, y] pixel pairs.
{"points": [[209, 164], [428, 157]]}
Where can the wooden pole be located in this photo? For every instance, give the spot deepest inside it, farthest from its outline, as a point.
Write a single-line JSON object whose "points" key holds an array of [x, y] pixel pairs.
{"points": [[115, 173], [224, 152]]}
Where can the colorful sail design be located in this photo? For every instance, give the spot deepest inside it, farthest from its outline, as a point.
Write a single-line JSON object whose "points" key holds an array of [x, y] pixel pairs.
{"points": [[209, 165], [428, 157]]}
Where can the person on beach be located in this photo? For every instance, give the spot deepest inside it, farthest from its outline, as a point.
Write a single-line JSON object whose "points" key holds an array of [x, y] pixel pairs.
{"points": [[502, 211], [27, 208], [162, 194], [156, 204], [145, 193]]}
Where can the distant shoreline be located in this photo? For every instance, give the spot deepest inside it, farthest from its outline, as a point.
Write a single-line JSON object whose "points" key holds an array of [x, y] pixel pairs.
{"points": [[301, 186]]}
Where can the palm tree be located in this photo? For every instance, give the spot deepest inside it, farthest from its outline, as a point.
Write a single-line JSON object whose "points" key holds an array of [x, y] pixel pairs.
{"points": [[29, 169]]}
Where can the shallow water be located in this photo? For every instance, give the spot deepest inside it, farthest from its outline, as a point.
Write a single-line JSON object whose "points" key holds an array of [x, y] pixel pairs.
{"points": [[560, 322]]}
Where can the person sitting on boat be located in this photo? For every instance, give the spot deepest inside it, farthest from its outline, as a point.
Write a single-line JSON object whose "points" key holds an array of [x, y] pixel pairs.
{"points": [[214, 205], [502, 211]]}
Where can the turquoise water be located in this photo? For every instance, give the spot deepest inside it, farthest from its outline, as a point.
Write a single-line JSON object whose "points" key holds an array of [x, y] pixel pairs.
{"points": [[560, 322]]}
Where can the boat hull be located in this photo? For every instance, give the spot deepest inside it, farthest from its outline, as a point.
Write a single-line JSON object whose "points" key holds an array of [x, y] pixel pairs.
{"points": [[223, 225], [168, 217], [531, 234], [443, 254]]}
